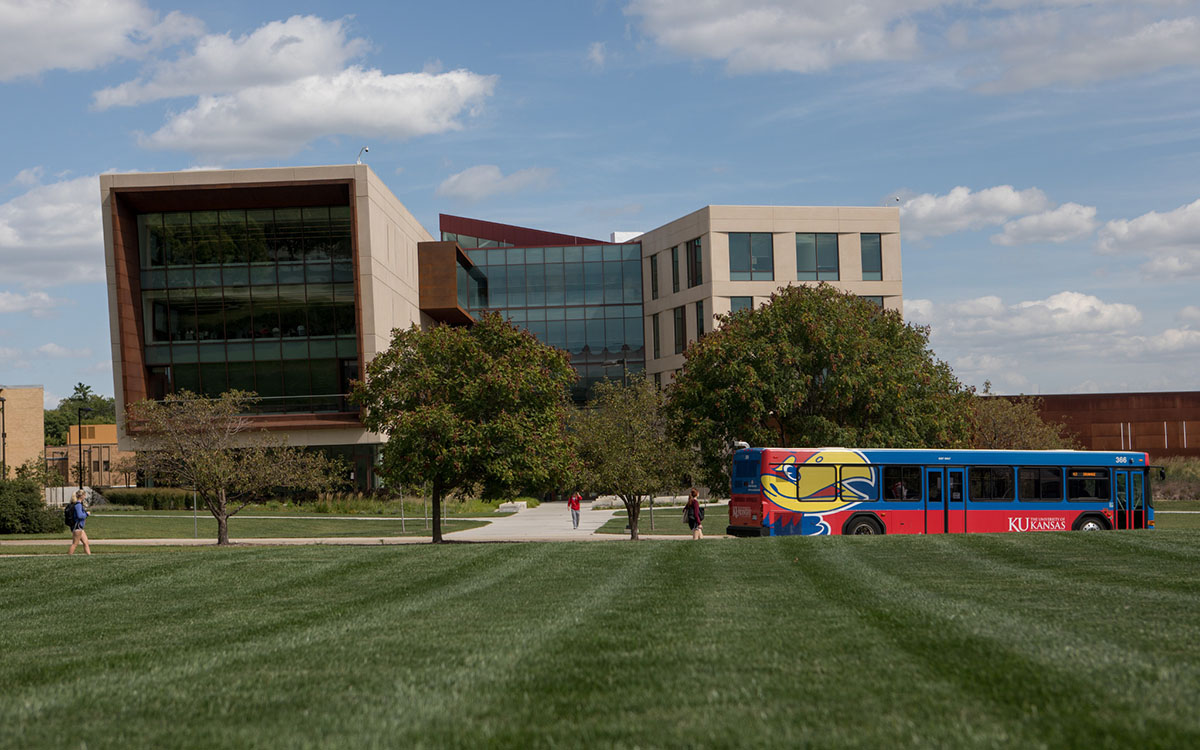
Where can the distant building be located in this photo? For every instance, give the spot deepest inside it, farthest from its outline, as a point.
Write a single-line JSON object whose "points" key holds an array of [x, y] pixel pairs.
{"points": [[101, 454], [1161, 424], [24, 424]]}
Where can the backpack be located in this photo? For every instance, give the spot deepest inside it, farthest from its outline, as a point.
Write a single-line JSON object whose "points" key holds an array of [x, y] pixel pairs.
{"points": [[701, 508], [69, 514]]}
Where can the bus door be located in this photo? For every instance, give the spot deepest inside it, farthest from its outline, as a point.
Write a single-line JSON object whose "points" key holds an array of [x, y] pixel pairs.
{"points": [[945, 504], [1131, 500]]}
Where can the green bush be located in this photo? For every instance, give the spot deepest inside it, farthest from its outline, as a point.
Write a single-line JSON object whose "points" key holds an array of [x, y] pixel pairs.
{"points": [[152, 498], [23, 509]]}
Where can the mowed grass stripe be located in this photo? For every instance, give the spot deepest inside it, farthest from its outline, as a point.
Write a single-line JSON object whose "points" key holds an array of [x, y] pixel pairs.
{"points": [[957, 641]]}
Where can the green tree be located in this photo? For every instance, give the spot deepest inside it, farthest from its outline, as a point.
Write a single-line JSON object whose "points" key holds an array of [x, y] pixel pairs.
{"points": [[815, 367], [58, 420], [1015, 423], [482, 408], [207, 444], [625, 447], [23, 508]]}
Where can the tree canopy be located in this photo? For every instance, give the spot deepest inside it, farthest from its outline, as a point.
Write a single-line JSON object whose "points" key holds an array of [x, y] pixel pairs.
{"points": [[815, 367], [58, 420], [208, 445], [480, 408], [625, 447], [1015, 423]]}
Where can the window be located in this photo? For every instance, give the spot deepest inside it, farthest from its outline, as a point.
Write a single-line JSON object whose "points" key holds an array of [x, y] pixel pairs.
{"points": [[872, 257], [877, 301], [658, 381], [699, 318], [992, 483], [737, 304], [654, 277], [1041, 485], [695, 267], [816, 256], [654, 335], [902, 483], [675, 269], [106, 466], [680, 330], [96, 466], [751, 256], [1089, 485]]}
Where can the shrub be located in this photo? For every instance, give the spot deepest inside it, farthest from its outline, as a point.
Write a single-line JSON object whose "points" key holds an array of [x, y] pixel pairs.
{"points": [[23, 509], [152, 498]]}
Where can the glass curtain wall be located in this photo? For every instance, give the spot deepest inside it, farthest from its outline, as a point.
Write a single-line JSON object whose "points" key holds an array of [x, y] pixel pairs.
{"points": [[584, 299], [259, 300]]}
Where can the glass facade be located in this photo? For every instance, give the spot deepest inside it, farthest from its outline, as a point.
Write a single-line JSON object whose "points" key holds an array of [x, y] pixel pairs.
{"points": [[751, 256], [584, 299], [817, 256], [872, 257], [259, 300], [465, 241]]}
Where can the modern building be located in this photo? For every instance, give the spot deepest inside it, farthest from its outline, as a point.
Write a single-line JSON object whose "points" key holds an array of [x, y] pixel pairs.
{"points": [[287, 281], [1157, 423], [100, 453], [24, 419]]}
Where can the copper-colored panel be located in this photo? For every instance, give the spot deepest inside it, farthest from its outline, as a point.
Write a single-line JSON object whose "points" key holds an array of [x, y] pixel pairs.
{"points": [[437, 271], [1161, 424]]}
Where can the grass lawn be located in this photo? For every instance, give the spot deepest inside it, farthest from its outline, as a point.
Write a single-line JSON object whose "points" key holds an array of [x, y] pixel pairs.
{"points": [[1014, 640], [667, 522], [180, 524]]}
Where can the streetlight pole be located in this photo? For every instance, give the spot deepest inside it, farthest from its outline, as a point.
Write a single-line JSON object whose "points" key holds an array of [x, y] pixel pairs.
{"points": [[3, 443], [79, 429]]}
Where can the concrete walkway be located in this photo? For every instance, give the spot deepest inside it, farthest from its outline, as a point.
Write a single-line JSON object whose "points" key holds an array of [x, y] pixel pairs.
{"points": [[549, 522]]}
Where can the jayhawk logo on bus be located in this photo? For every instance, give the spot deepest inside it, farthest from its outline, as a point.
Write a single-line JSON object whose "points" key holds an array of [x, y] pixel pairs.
{"points": [[806, 483]]}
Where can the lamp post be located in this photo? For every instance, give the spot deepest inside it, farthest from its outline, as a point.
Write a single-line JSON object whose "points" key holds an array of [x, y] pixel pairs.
{"points": [[624, 369], [79, 419], [3, 443]]}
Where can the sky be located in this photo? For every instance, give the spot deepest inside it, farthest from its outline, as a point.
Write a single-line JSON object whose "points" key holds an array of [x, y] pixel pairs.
{"points": [[1044, 155]]}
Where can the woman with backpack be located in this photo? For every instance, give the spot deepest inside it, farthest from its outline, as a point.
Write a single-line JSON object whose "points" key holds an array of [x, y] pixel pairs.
{"points": [[79, 515], [694, 514]]}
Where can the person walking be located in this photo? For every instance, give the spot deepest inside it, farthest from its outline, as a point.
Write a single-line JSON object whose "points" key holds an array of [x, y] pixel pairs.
{"points": [[694, 514], [77, 532], [573, 503]]}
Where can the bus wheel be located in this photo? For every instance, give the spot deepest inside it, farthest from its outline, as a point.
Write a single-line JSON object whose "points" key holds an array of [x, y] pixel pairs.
{"points": [[1091, 523], [863, 525]]}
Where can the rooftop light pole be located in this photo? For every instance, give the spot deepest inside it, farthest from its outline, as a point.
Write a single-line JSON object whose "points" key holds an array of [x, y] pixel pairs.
{"points": [[79, 414], [624, 369]]}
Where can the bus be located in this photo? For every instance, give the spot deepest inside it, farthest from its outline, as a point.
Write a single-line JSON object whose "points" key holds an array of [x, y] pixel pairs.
{"points": [[819, 491]]}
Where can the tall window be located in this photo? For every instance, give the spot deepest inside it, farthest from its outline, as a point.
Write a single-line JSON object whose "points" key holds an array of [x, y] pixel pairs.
{"points": [[654, 277], [680, 329], [751, 256], [872, 257], [817, 256], [675, 269], [654, 335], [874, 300], [695, 266], [699, 319], [740, 303]]}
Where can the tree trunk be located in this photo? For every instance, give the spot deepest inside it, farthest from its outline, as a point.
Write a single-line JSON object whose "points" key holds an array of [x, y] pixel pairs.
{"points": [[222, 514], [437, 512], [633, 510]]}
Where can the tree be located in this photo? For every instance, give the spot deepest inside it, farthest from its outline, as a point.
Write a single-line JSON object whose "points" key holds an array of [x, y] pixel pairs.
{"points": [[1015, 423], [127, 466], [815, 367], [23, 508], [625, 448], [207, 444], [58, 421], [465, 409]]}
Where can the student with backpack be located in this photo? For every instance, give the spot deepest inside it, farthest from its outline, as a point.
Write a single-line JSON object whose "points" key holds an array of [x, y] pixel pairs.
{"points": [[693, 514], [75, 515]]}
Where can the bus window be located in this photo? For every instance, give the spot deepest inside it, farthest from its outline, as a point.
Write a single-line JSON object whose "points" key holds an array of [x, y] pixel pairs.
{"points": [[1135, 481], [902, 483], [1041, 485], [1089, 485], [992, 483]]}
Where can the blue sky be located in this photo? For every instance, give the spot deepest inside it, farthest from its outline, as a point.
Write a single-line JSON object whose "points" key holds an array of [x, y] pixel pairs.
{"points": [[1044, 154]]}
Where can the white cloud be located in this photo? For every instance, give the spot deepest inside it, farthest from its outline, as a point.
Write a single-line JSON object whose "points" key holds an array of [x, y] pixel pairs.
{"points": [[929, 215], [61, 352], [276, 53], [1171, 240], [1070, 221], [793, 35], [34, 302], [29, 177], [279, 120], [485, 180], [1172, 340], [52, 234], [1190, 314], [596, 54], [41, 35]]}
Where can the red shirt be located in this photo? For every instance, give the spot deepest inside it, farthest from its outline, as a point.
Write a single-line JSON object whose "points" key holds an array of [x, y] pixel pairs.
{"points": [[573, 501]]}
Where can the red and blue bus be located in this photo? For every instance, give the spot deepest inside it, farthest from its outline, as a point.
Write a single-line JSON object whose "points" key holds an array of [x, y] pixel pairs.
{"points": [[817, 491]]}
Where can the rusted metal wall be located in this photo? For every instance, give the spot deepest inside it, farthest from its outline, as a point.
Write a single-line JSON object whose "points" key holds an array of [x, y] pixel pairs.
{"points": [[1161, 424]]}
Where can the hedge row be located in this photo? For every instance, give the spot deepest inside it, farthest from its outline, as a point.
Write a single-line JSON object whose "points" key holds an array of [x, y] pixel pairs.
{"points": [[23, 509], [151, 498]]}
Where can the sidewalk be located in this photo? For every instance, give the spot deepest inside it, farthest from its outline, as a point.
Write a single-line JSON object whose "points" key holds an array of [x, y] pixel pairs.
{"points": [[549, 522]]}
